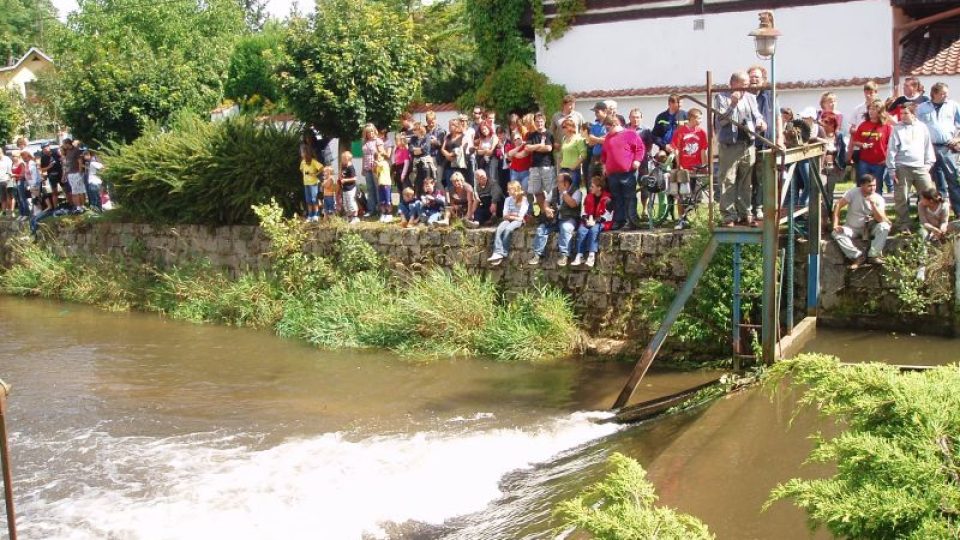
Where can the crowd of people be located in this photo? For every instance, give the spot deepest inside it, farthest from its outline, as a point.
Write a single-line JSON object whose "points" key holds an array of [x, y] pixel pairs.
{"points": [[577, 178], [31, 182]]}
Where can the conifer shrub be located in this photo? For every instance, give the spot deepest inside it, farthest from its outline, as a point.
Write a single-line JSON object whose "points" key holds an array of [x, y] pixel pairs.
{"points": [[206, 173], [621, 507], [898, 457]]}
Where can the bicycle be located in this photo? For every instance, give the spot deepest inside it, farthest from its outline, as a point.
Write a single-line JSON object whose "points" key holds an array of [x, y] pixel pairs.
{"points": [[657, 203], [690, 198]]}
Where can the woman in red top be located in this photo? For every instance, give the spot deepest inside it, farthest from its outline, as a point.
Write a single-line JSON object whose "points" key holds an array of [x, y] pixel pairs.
{"points": [[870, 144], [597, 216], [19, 179], [520, 159]]}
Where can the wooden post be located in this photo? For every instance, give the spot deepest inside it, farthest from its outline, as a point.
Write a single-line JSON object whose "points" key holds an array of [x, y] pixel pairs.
{"points": [[5, 463]]}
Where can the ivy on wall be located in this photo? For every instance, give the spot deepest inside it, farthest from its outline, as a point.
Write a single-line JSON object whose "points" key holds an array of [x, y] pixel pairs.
{"points": [[566, 12]]}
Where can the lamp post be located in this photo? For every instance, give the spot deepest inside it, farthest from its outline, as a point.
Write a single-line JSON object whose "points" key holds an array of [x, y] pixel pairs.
{"points": [[765, 42]]}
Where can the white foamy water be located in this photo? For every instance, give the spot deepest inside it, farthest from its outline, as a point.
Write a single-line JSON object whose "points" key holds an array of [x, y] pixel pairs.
{"points": [[321, 487]]}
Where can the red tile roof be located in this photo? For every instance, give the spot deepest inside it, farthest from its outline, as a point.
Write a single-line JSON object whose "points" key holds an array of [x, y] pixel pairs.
{"points": [[435, 107], [700, 89], [934, 51]]}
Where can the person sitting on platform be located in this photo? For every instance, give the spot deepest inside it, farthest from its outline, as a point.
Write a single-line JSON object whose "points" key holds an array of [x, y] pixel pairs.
{"points": [[561, 214], [866, 212]]}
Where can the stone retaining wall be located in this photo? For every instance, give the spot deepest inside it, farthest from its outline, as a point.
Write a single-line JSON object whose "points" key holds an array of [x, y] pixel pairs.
{"points": [[863, 298]]}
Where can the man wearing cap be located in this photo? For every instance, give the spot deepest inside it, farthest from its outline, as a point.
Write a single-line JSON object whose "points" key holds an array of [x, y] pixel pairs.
{"points": [[595, 136], [737, 115]]}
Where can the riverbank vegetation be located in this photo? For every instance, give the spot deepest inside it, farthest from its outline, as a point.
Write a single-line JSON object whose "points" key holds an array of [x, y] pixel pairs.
{"points": [[621, 507], [348, 299], [898, 460]]}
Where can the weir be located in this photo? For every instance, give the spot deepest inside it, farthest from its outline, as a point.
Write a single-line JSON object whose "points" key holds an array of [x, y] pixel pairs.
{"points": [[778, 190]]}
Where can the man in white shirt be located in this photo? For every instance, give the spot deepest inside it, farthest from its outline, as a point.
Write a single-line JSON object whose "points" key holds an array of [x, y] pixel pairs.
{"points": [[6, 165], [909, 158], [866, 210], [942, 118]]}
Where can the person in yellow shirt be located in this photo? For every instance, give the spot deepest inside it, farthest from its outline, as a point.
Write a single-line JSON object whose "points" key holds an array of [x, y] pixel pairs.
{"points": [[310, 168]]}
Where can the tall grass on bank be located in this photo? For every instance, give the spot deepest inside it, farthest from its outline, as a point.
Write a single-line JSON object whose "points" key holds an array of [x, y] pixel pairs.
{"points": [[343, 302]]}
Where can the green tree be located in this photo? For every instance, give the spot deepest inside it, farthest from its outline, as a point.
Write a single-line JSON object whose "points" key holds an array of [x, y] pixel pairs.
{"points": [[444, 30], [898, 462], [497, 31], [127, 62], [11, 114], [621, 507], [250, 75], [24, 24], [351, 64]]}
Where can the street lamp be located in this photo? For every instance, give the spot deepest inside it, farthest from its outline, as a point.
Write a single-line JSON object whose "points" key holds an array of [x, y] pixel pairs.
{"points": [[765, 42]]}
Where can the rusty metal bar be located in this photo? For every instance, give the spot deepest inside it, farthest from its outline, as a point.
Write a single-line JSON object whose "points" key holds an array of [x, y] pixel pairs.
{"points": [[650, 352], [5, 463], [710, 151]]}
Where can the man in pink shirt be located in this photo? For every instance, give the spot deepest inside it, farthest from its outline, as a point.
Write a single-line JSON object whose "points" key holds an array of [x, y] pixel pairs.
{"points": [[622, 154]]}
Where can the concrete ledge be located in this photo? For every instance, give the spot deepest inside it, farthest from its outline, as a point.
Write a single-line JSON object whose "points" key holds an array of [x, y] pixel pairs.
{"points": [[803, 332]]}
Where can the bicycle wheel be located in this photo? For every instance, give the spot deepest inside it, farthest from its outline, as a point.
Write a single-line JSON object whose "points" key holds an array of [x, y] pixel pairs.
{"points": [[658, 209]]}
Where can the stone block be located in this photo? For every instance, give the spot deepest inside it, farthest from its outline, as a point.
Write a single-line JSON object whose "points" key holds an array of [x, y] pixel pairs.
{"points": [[431, 238], [650, 244], [454, 238], [631, 241], [866, 278], [409, 237], [598, 283]]}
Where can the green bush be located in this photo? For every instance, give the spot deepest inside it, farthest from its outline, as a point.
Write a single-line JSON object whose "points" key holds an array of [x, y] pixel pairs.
{"points": [[621, 507], [515, 87], [207, 173], [11, 115], [898, 459]]}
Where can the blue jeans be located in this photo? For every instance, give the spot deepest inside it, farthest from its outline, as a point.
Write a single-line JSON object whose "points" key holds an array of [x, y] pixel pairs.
{"points": [[411, 210], [623, 189], [879, 171], [501, 238], [310, 194], [23, 199], [588, 238], [802, 183], [946, 176], [373, 202], [564, 229], [93, 197]]}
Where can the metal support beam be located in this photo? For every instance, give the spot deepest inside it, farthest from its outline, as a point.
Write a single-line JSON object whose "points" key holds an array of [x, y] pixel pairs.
{"points": [[650, 352], [737, 346], [5, 463], [814, 230], [770, 320]]}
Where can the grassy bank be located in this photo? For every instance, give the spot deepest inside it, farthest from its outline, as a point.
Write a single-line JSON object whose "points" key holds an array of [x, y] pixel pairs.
{"points": [[345, 301]]}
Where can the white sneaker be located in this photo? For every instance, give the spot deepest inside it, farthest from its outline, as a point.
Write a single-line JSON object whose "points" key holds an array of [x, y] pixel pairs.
{"points": [[354, 221], [562, 261], [534, 261], [591, 259], [388, 218], [495, 257], [578, 260]]}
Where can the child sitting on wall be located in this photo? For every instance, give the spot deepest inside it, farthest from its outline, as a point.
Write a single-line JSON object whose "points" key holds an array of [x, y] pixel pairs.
{"points": [[434, 202], [410, 208], [514, 210], [597, 217]]}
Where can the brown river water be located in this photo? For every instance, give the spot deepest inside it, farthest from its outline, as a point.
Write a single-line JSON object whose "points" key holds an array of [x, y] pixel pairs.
{"points": [[130, 426]]}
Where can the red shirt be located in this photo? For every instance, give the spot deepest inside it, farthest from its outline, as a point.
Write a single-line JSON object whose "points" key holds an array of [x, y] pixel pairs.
{"points": [[19, 172], [519, 164], [690, 144], [620, 150], [878, 135], [596, 207]]}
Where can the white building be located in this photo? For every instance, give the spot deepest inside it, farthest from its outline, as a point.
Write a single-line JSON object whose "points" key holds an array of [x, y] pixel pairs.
{"points": [[21, 74], [639, 51]]}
